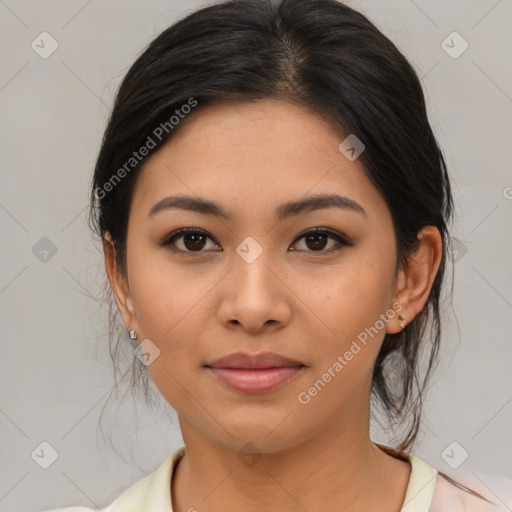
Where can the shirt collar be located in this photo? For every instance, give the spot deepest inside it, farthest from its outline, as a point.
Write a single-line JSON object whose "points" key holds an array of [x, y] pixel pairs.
{"points": [[153, 492], [421, 487]]}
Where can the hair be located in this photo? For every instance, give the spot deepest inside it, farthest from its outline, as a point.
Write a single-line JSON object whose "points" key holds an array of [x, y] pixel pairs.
{"points": [[330, 59]]}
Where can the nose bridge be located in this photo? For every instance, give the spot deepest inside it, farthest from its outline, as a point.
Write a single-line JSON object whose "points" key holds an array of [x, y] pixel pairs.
{"points": [[254, 295], [251, 264]]}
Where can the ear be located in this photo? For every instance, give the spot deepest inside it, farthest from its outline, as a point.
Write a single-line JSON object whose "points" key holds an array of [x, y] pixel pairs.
{"points": [[119, 284], [413, 284]]}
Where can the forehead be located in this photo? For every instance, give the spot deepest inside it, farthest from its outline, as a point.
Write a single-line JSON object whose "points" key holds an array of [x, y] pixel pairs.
{"points": [[248, 155]]}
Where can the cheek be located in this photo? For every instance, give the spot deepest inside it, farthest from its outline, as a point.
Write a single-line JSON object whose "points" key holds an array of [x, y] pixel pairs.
{"points": [[172, 310], [351, 303], [164, 293], [170, 313], [347, 297]]}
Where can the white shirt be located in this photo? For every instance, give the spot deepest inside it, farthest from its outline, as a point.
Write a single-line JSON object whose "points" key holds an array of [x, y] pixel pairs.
{"points": [[427, 491]]}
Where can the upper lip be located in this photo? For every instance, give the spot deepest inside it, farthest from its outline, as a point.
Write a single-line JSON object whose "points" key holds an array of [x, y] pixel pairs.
{"points": [[264, 360]]}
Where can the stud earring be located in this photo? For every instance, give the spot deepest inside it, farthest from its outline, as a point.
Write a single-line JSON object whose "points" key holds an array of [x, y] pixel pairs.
{"points": [[402, 325], [133, 334]]}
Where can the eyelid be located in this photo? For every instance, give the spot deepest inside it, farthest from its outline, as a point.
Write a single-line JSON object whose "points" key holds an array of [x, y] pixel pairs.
{"points": [[342, 241], [321, 230], [168, 240]]}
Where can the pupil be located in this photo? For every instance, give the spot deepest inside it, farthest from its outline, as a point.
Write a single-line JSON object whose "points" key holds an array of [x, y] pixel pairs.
{"points": [[196, 242], [316, 238]]}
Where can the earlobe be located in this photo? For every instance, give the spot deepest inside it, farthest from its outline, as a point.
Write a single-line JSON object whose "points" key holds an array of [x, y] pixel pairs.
{"points": [[399, 320], [118, 283], [414, 283]]}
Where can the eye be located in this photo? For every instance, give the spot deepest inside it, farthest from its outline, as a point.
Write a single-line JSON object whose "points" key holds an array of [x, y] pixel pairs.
{"points": [[195, 240], [192, 240], [316, 239]]}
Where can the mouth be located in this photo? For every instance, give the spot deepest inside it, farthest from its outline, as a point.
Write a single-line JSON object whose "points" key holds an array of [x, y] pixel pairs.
{"points": [[254, 374], [254, 381], [245, 361]]}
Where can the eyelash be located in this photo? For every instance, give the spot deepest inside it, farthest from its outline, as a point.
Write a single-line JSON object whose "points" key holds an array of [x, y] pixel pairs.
{"points": [[341, 241]]}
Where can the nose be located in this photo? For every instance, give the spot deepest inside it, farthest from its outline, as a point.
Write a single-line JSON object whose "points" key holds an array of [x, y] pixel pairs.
{"points": [[255, 296]]}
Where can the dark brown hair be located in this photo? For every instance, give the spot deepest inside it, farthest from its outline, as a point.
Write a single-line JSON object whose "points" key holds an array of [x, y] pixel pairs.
{"points": [[329, 58]]}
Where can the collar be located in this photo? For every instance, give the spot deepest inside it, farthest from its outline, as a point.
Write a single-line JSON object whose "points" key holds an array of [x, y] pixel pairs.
{"points": [[153, 491]]}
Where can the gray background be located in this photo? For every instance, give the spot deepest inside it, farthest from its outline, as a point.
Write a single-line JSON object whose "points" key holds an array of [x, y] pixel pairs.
{"points": [[55, 377]]}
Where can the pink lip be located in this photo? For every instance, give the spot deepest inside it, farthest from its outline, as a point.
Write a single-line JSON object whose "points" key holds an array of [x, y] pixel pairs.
{"points": [[246, 361], [256, 380], [255, 373]]}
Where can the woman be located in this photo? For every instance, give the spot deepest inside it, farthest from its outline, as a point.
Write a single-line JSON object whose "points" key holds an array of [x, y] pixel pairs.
{"points": [[274, 212]]}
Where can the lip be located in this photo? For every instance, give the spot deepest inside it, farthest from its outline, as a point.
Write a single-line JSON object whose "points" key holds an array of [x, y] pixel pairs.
{"points": [[258, 373], [256, 380], [265, 360]]}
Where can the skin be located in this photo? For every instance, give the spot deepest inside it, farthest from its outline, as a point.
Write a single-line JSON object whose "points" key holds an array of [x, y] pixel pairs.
{"points": [[302, 303]]}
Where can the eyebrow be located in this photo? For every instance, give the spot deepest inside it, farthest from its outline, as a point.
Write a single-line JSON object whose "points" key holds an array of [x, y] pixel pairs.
{"points": [[284, 211]]}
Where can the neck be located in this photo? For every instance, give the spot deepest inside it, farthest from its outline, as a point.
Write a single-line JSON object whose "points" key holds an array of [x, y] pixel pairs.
{"points": [[335, 466]]}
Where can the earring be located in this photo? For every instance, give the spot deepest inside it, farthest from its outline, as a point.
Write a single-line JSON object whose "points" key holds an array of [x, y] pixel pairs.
{"points": [[133, 334], [402, 325]]}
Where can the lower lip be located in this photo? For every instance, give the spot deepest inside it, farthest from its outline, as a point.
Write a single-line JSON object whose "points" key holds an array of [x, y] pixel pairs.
{"points": [[256, 380]]}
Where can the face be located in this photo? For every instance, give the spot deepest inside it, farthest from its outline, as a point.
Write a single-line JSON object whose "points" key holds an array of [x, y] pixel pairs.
{"points": [[254, 277]]}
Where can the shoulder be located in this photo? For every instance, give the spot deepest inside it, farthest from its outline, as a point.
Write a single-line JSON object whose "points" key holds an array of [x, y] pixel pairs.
{"points": [[434, 491], [495, 492], [149, 493], [71, 509]]}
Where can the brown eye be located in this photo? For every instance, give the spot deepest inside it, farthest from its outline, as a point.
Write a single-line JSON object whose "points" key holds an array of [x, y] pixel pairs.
{"points": [[190, 240], [196, 241], [316, 242], [317, 239]]}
